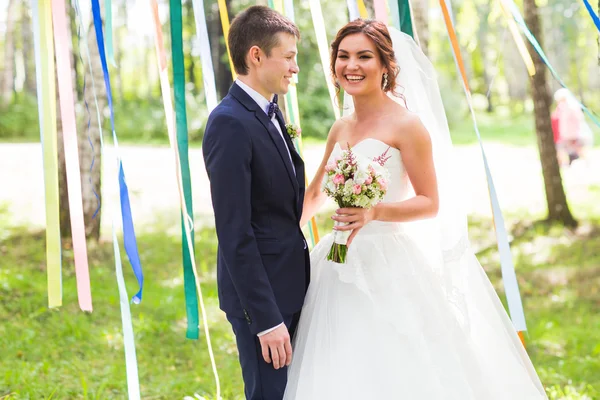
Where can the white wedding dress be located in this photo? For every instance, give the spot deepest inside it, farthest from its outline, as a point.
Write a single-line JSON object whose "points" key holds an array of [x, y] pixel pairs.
{"points": [[382, 327]]}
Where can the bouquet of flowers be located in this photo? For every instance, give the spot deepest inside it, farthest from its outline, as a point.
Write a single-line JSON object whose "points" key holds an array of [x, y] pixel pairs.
{"points": [[353, 181]]}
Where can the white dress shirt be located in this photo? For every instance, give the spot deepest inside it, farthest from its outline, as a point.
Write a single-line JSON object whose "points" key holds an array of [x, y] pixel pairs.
{"points": [[264, 104]]}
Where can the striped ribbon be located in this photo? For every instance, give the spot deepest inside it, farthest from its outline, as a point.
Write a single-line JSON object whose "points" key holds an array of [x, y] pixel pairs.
{"points": [[293, 111], [509, 277], [208, 72], [321, 34], [225, 24], [170, 117], [518, 40], [46, 94], [512, 7], [69, 130], [129, 239], [191, 297], [133, 385]]}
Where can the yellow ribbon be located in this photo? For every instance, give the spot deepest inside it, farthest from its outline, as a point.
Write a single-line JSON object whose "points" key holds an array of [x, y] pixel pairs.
{"points": [[362, 9], [225, 23], [518, 40], [47, 96]]}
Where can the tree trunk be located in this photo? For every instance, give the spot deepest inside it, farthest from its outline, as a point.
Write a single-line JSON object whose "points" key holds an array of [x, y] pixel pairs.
{"points": [[74, 50], [420, 9], [90, 174], [90, 155], [28, 56], [220, 57], [558, 209], [7, 85]]}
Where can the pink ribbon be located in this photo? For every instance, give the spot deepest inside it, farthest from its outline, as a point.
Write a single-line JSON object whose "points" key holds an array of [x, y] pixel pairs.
{"points": [[69, 128]]}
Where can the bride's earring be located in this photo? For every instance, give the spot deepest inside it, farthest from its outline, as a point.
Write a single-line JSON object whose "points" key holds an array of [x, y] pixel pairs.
{"points": [[385, 80]]}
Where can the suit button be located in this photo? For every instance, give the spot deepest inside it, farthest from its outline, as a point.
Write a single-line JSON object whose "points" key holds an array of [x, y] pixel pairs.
{"points": [[247, 317]]}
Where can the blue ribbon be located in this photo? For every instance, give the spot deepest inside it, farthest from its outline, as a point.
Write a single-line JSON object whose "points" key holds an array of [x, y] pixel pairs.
{"points": [[592, 14], [129, 239]]}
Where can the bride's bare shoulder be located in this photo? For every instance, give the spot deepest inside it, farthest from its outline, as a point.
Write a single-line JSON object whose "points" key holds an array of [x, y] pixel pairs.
{"points": [[340, 125], [409, 128]]}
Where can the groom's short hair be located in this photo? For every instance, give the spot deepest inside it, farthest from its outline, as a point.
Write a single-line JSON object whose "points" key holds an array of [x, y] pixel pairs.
{"points": [[256, 26]]}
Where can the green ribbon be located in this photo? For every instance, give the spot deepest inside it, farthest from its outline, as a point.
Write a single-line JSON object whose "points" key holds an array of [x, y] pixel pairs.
{"points": [[405, 17], [191, 297]]}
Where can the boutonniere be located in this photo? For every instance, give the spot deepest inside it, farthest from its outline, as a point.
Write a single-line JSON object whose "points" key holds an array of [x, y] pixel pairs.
{"points": [[293, 130]]}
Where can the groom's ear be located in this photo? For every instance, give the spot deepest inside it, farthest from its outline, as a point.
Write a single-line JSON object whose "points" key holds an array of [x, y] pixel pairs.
{"points": [[255, 55]]}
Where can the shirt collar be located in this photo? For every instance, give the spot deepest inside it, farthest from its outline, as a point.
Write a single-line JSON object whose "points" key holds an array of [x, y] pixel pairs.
{"points": [[257, 97]]}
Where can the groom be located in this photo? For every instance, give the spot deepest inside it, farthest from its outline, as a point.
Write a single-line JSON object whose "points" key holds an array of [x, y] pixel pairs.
{"points": [[257, 188]]}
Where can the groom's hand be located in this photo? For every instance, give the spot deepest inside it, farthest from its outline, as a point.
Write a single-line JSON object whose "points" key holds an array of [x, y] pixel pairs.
{"points": [[276, 346]]}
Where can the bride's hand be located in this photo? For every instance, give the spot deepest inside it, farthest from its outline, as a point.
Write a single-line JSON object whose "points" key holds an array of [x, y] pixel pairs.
{"points": [[355, 218]]}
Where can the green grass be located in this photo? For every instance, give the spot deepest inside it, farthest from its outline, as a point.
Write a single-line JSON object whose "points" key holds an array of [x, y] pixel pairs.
{"points": [[516, 130], [65, 353]]}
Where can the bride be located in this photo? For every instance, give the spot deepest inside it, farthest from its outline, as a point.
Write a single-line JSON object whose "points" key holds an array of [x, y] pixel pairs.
{"points": [[411, 314]]}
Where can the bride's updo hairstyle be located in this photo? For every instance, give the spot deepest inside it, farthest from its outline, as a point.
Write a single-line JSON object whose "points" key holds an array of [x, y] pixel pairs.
{"points": [[378, 33]]}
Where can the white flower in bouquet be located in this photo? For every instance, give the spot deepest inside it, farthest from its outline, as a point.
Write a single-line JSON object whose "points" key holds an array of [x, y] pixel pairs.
{"points": [[353, 181]]}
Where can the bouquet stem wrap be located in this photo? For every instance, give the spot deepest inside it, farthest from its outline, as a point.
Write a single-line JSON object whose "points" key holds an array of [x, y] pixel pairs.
{"points": [[339, 248]]}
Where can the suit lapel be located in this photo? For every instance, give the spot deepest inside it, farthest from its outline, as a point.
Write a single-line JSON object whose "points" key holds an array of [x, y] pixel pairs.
{"points": [[250, 104], [298, 162]]}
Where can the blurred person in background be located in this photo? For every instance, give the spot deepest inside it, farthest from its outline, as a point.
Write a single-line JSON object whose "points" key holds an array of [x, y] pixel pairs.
{"points": [[572, 135]]}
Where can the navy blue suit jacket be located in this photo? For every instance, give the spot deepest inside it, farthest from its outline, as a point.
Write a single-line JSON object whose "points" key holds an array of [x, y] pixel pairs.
{"points": [[262, 262]]}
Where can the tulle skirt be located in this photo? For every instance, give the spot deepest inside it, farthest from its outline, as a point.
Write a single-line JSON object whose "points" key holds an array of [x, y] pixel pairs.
{"points": [[380, 326]]}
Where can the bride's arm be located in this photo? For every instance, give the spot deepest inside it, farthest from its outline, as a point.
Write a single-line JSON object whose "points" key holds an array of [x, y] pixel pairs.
{"points": [[314, 196], [415, 145]]}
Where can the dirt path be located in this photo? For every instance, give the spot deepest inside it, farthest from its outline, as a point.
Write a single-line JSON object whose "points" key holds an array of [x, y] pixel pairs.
{"points": [[154, 197]]}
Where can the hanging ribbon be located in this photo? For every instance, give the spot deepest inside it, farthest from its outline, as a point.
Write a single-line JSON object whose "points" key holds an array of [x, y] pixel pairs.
{"points": [[509, 277], [395, 14], [129, 239], [319, 24], [593, 14], [208, 72], [46, 94], [133, 385], [381, 12], [518, 41], [69, 129], [405, 17], [512, 7], [110, 52], [170, 114], [293, 111], [133, 381], [191, 297], [362, 9], [353, 9], [225, 24]]}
